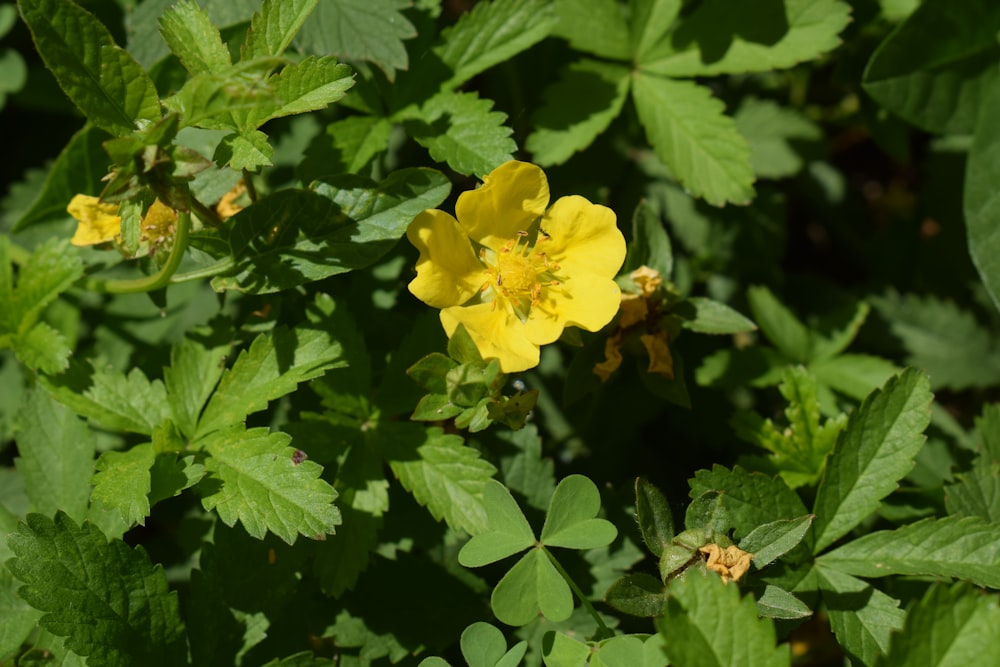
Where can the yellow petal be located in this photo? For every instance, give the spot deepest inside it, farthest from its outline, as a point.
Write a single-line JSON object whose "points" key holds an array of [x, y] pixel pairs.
{"points": [[157, 221], [497, 332], [511, 198], [661, 361], [448, 271], [587, 301], [98, 221], [583, 237]]}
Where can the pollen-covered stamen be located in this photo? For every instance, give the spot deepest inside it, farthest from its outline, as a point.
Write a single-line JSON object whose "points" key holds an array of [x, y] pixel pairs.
{"points": [[519, 272]]}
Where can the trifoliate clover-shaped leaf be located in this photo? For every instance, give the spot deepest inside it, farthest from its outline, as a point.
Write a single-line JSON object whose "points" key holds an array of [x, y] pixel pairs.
{"points": [[509, 531], [533, 585], [484, 646], [571, 521]]}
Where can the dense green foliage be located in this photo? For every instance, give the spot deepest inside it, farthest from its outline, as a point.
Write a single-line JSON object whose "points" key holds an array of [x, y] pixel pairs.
{"points": [[230, 435]]}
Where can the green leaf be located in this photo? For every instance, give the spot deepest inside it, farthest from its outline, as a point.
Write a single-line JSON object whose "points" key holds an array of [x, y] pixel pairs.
{"points": [[704, 616], [722, 37], [750, 499], [443, 474], [711, 317], [776, 602], [274, 26], [51, 269], [656, 522], [955, 350], [249, 150], [960, 547], [255, 478], [981, 200], [935, 68], [854, 375], [650, 245], [595, 26], [872, 454], [577, 109], [949, 627], [862, 617], [274, 366], [353, 141], [194, 39], [294, 237], [196, 364], [78, 170], [836, 330], [696, 140], [43, 348], [122, 482], [533, 585], [770, 541], [777, 136], [115, 401], [491, 33], [20, 618], [779, 324], [462, 130], [484, 646], [508, 533], [55, 456], [570, 521], [526, 472], [977, 492], [638, 594], [561, 650], [226, 100], [369, 30], [650, 21], [112, 605], [100, 78], [309, 85]]}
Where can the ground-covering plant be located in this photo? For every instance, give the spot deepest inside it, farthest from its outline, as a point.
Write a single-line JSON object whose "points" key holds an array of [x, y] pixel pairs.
{"points": [[617, 333]]}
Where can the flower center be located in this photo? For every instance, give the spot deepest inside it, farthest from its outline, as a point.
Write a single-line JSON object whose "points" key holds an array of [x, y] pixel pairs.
{"points": [[519, 273]]}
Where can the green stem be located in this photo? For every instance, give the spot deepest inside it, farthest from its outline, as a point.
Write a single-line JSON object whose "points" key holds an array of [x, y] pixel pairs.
{"points": [[207, 214], [605, 631], [210, 271], [251, 190], [156, 281]]}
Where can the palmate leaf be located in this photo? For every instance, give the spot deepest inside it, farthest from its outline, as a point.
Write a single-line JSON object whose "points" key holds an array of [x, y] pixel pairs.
{"points": [[949, 627], [874, 452], [595, 26], [274, 26], [707, 624], [102, 79], [108, 600], [274, 366], [442, 473], [722, 37], [981, 200], [463, 130], [696, 140], [255, 478], [194, 39], [196, 364], [960, 547], [751, 499], [650, 21], [491, 33], [862, 617], [309, 85]]}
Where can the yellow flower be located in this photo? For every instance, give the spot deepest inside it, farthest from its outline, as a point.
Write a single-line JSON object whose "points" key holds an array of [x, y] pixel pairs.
{"points": [[730, 563], [98, 222], [513, 273]]}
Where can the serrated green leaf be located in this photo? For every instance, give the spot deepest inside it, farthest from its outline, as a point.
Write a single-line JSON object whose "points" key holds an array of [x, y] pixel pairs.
{"points": [[443, 474], [770, 541], [353, 142], [980, 199], [370, 30], [570, 521], [196, 364], [703, 617], [836, 330], [577, 109], [43, 348], [750, 499], [938, 84], [100, 78], [776, 602], [638, 594], [960, 547], [779, 324], [274, 26], [943, 339], [527, 472], [650, 245], [93, 590], [508, 533], [115, 401], [491, 33], [463, 130], [854, 375], [533, 585], [721, 37], [711, 317], [293, 236], [977, 492], [873, 453], [122, 482], [650, 22], [777, 136], [78, 170], [256, 479], [949, 627], [228, 99], [862, 617], [595, 26], [50, 270], [55, 456], [656, 521], [275, 365], [309, 85], [696, 140], [194, 39], [249, 150], [20, 618]]}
